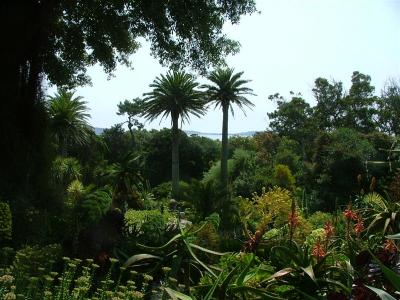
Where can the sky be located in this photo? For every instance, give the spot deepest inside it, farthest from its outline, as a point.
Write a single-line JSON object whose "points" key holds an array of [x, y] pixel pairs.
{"points": [[284, 47]]}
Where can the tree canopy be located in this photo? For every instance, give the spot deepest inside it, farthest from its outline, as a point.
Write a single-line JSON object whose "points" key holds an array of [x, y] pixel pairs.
{"points": [[58, 40]]}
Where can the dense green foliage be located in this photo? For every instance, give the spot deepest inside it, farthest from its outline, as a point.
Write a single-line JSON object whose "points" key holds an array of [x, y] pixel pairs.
{"points": [[281, 235], [58, 40], [308, 209]]}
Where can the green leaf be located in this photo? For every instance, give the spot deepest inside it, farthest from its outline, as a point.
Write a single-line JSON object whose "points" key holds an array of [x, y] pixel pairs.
{"points": [[242, 275], [198, 260], [310, 272], [373, 223], [228, 278], [394, 236], [207, 250], [163, 246], [175, 295], [387, 221], [381, 293], [212, 290], [139, 257], [337, 284]]}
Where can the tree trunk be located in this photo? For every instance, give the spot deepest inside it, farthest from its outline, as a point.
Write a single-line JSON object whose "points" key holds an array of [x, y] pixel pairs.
{"points": [[224, 149], [175, 157]]}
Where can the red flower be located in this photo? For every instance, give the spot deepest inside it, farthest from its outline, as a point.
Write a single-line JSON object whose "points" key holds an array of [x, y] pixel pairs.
{"points": [[350, 214], [318, 252], [329, 229], [390, 246], [359, 227]]}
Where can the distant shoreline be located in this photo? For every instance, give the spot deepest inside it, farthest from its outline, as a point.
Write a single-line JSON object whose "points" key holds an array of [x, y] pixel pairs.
{"points": [[211, 135], [218, 136]]}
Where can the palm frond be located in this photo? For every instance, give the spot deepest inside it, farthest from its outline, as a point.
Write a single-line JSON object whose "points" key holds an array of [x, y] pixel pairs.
{"points": [[174, 95], [228, 88]]}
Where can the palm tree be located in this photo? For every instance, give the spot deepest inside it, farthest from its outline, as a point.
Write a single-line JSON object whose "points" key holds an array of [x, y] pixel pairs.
{"points": [[174, 95], [227, 89], [68, 119]]}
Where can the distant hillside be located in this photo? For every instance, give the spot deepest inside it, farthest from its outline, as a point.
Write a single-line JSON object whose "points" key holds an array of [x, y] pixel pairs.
{"points": [[211, 135]]}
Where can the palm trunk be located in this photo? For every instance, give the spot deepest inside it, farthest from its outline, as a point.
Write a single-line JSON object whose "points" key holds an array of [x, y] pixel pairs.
{"points": [[175, 158], [224, 149], [130, 125]]}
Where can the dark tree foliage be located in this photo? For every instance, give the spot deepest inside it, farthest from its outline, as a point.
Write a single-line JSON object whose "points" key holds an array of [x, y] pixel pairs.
{"points": [[58, 40], [293, 119], [389, 108], [117, 143], [328, 111], [196, 155], [359, 104], [338, 159], [133, 109]]}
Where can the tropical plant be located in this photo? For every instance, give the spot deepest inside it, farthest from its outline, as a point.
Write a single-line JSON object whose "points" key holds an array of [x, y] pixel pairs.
{"points": [[149, 226], [174, 95], [243, 276], [382, 214], [311, 274], [226, 89], [95, 204], [68, 120], [180, 254], [125, 175], [65, 170]]}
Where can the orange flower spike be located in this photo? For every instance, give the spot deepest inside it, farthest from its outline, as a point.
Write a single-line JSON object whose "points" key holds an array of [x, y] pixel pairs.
{"points": [[318, 252], [389, 246], [329, 229], [293, 219]]}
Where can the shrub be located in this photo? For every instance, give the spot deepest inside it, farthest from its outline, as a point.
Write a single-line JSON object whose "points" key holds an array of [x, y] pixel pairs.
{"points": [[34, 260], [283, 177], [319, 218], [149, 226], [79, 280], [95, 204]]}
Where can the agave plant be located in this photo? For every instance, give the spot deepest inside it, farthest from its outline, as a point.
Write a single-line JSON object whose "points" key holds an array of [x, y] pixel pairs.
{"points": [[180, 254]]}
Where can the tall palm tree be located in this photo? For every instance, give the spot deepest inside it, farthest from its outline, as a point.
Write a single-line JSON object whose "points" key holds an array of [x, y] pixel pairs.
{"points": [[227, 89], [175, 95], [68, 119]]}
